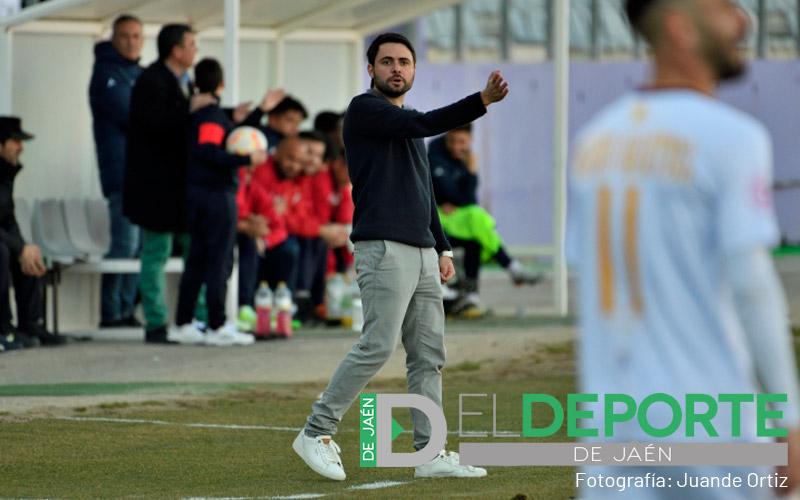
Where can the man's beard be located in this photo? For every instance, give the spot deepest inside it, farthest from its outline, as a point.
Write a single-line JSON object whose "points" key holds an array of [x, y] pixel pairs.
{"points": [[725, 65], [388, 91]]}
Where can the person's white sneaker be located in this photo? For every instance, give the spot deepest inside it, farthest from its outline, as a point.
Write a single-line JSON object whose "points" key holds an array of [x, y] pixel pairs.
{"points": [[321, 454], [446, 464], [520, 275], [228, 335], [186, 334]]}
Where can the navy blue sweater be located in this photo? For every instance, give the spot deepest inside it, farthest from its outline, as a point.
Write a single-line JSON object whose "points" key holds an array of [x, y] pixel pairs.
{"points": [[389, 167], [210, 165]]}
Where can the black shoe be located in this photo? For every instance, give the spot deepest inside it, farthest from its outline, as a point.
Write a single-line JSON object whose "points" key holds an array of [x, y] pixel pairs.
{"points": [[111, 323], [130, 322], [27, 341], [45, 337], [8, 343], [157, 336]]}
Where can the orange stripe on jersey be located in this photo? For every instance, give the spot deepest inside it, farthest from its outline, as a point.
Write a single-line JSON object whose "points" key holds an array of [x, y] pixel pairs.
{"points": [[632, 248], [210, 133], [606, 271]]}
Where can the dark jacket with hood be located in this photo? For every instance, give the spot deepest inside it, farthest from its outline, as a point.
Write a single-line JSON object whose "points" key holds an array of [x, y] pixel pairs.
{"points": [[158, 151], [10, 235], [110, 88]]}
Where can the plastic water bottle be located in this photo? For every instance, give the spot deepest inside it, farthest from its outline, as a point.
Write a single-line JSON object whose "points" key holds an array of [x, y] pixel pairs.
{"points": [[334, 298], [263, 310], [283, 304]]}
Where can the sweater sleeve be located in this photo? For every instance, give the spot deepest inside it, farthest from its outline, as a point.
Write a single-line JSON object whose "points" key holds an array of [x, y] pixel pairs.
{"points": [[374, 116]]}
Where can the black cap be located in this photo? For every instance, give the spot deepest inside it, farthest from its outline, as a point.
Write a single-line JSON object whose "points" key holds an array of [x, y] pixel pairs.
{"points": [[635, 9], [11, 128]]}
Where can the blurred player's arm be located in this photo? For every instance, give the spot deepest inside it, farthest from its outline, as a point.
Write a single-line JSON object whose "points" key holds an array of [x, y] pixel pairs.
{"points": [[761, 306]]}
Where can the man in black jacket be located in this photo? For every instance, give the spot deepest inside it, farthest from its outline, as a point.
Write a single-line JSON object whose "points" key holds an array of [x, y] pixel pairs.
{"points": [[20, 262], [157, 159], [402, 255], [116, 69]]}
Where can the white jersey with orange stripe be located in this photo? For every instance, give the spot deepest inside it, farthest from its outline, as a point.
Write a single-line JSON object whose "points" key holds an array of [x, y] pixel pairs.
{"points": [[663, 186]]}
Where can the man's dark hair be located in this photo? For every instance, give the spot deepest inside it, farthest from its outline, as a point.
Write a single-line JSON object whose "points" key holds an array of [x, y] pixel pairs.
{"points": [[170, 36], [636, 11], [327, 121], [289, 104], [122, 19], [463, 128], [372, 51], [208, 75]]}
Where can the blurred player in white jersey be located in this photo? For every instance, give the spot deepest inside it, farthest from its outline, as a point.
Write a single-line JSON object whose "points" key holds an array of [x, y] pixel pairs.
{"points": [[670, 225]]}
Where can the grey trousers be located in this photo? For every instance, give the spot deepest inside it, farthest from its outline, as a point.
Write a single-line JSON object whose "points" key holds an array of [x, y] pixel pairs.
{"points": [[402, 299]]}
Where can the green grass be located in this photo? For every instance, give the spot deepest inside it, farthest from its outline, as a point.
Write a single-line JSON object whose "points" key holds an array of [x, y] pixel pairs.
{"points": [[49, 457]]}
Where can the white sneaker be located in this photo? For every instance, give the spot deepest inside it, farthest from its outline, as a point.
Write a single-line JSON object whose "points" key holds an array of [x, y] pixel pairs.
{"points": [[186, 334], [520, 275], [446, 464], [321, 454], [228, 335]]}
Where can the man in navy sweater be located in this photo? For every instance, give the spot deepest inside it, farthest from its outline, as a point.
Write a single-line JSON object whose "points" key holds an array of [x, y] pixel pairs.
{"points": [[401, 252]]}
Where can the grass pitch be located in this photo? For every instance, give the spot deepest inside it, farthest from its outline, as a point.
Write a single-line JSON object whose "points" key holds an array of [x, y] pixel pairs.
{"points": [[151, 449]]}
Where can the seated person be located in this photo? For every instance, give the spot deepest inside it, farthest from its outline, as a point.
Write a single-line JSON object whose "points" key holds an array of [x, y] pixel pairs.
{"points": [[259, 229], [329, 123], [212, 186], [283, 119], [21, 263], [282, 177], [466, 224]]}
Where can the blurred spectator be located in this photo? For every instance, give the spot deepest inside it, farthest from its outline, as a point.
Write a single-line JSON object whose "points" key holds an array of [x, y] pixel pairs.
{"points": [[20, 262], [283, 120], [157, 161], [319, 189], [116, 69], [467, 225], [341, 198], [259, 229]]}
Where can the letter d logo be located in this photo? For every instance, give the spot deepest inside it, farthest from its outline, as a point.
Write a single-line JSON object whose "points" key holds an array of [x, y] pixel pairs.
{"points": [[384, 430]]}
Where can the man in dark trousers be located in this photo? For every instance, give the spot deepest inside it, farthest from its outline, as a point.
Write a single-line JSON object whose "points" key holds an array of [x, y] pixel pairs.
{"points": [[402, 254], [213, 181], [21, 262], [116, 69], [157, 159]]}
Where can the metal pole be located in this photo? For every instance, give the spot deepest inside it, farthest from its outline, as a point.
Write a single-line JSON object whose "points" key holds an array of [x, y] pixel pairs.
{"points": [[280, 61], [6, 64], [231, 95], [505, 29], [458, 12], [761, 41], [594, 32], [359, 65], [560, 43]]}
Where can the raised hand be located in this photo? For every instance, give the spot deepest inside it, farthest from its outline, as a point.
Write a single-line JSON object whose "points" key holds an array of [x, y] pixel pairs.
{"points": [[496, 89]]}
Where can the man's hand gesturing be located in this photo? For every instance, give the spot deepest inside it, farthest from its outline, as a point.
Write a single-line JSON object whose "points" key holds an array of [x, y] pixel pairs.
{"points": [[496, 89]]}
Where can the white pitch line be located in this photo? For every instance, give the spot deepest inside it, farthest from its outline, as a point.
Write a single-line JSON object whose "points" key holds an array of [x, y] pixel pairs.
{"points": [[195, 425], [181, 424], [299, 496]]}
